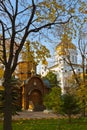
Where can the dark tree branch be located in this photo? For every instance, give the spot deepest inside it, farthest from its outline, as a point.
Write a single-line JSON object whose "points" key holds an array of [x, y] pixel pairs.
{"points": [[6, 10], [11, 6], [16, 8], [68, 61], [24, 37], [49, 24]]}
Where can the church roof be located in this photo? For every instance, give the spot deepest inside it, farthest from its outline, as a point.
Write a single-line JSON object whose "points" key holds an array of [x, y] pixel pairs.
{"points": [[66, 45], [56, 66], [62, 47], [47, 83]]}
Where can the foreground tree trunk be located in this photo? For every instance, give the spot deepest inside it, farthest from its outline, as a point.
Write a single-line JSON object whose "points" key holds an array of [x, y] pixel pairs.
{"points": [[7, 124]]}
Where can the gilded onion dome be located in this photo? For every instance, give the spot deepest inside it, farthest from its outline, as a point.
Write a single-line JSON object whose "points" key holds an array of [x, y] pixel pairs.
{"points": [[63, 47]]}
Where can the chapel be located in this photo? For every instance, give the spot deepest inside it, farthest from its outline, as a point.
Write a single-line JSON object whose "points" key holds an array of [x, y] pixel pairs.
{"points": [[33, 87]]}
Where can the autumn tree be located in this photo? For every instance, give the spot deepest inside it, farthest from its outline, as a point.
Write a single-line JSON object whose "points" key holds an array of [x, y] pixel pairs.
{"points": [[79, 92], [69, 105], [52, 78], [20, 20], [71, 85], [82, 97], [80, 77], [35, 52], [52, 101], [82, 47]]}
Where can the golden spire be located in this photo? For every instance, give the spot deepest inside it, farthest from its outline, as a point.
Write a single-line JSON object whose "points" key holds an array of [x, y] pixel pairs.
{"points": [[64, 45]]}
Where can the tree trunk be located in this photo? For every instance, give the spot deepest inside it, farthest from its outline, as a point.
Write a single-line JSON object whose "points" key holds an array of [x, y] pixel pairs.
{"points": [[7, 124]]}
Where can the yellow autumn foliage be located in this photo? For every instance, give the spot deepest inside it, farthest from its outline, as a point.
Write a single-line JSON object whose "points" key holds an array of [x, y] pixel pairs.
{"points": [[1, 88], [1, 72], [35, 52], [72, 10], [81, 94]]}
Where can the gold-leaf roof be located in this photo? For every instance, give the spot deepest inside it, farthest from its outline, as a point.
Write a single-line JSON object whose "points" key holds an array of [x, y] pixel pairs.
{"points": [[62, 48]]}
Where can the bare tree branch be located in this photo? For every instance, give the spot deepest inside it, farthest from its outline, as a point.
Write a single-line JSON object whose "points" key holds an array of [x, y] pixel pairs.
{"points": [[24, 37], [49, 24]]}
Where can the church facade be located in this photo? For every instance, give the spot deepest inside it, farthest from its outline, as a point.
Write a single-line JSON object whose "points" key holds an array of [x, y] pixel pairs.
{"points": [[66, 61], [33, 91], [33, 87]]}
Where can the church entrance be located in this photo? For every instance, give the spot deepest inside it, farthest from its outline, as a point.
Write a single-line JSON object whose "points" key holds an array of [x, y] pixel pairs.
{"points": [[34, 90], [36, 98]]}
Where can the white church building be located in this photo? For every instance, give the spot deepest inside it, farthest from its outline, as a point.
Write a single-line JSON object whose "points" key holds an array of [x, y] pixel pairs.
{"points": [[65, 54]]}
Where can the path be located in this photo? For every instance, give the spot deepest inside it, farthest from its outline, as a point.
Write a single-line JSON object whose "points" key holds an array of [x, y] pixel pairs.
{"points": [[33, 115]]}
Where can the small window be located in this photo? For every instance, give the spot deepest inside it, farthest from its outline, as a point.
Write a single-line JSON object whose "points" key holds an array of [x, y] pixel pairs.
{"points": [[42, 72], [75, 59], [45, 68], [72, 58], [78, 69]]}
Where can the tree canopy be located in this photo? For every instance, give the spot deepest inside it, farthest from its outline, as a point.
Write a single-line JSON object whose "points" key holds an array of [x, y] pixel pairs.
{"points": [[52, 79], [69, 105], [52, 101], [35, 52]]}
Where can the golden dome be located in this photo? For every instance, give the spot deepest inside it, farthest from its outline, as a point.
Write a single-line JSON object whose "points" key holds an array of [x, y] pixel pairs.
{"points": [[63, 47]]}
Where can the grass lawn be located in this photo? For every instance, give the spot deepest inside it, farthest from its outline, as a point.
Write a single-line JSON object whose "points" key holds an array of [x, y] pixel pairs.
{"points": [[49, 124]]}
